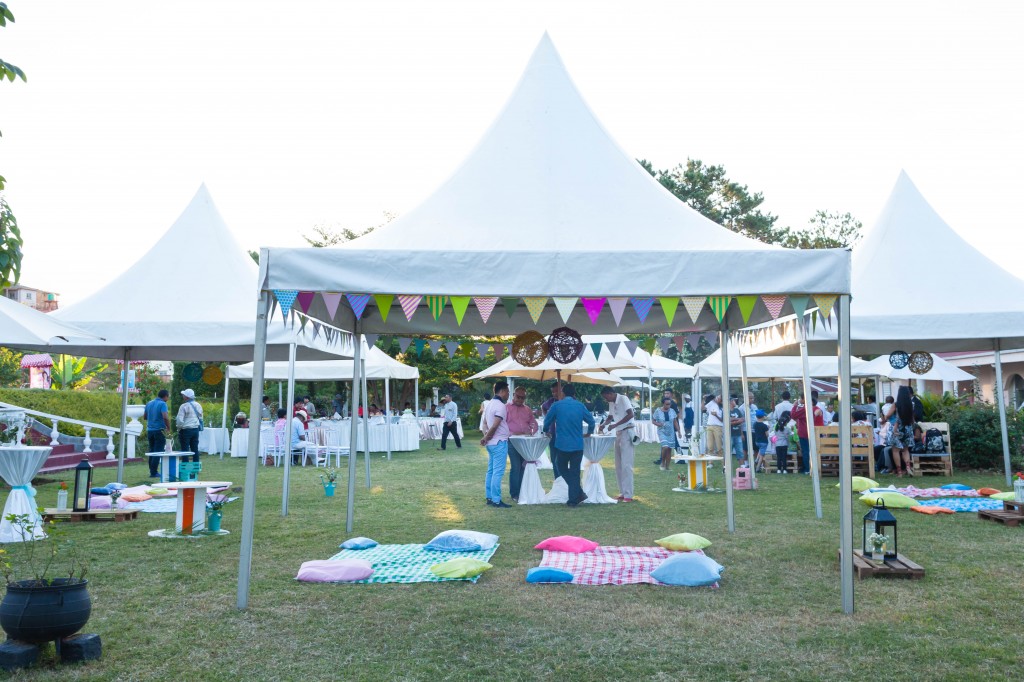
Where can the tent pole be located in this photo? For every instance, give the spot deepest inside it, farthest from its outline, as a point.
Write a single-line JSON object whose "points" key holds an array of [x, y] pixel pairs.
{"points": [[1001, 402], [280, 395], [224, 412], [124, 416], [747, 428], [366, 420], [812, 435], [698, 414], [387, 413], [845, 464], [252, 456], [353, 432], [416, 397], [288, 429], [723, 343]]}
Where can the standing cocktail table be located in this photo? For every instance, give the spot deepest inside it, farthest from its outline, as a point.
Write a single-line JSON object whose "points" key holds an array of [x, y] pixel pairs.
{"points": [[594, 449], [18, 466], [531, 448]]}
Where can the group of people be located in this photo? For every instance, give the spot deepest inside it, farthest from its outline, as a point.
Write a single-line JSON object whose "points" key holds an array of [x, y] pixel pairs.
{"points": [[189, 420], [899, 432]]}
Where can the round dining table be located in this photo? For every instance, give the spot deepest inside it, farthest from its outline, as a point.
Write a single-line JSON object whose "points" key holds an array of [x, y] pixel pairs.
{"points": [[531, 448]]}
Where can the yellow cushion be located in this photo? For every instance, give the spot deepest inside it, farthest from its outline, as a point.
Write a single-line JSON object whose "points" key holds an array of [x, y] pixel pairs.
{"points": [[463, 567], [684, 542], [861, 483], [892, 500]]}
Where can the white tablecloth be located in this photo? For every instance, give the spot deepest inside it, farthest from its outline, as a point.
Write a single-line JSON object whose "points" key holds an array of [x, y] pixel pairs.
{"points": [[647, 431], [214, 440], [430, 428], [405, 435], [240, 440], [594, 449], [17, 467], [532, 449]]}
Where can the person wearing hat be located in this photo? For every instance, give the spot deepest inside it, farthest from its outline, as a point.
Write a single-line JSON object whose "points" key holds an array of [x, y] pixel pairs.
{"points": [[190, 416], [299, 421], [241, 421], [687, 417], [760, 439]]}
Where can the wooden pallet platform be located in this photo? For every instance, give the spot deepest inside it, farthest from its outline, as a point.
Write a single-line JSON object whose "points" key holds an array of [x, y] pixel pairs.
{"points": [[93, 515], [900, 567], [1012, 513]]}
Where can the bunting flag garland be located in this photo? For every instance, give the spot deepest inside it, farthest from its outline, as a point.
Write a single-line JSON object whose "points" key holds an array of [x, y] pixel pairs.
{"points": [[383, 302], [403, 343], [434, 346], [436, 305], [305, 299], [331, 301], [467, 348], [409, 303], [631, 347], [596, 349], [711, 338], [746, 304], [510, 305], [642, 307], [459, 305], [316, 329], [774, 305], [668, 307], [693, 305], [285, 298], [663, 343], [452, 347], [485, 306], [799, 304], [617, 306], [419, 343], [358, 303], [825, 303], [371, 339], [648, 345], [692, 340], [499, 350], [679, 341], [719, 306], [481, 349], [564, 307], [593, 307], [535, 305], [613, 347]]}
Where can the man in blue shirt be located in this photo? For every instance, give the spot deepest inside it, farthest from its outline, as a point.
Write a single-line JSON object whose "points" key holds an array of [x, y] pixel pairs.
{"points": [[157, 420], [568, 416]]}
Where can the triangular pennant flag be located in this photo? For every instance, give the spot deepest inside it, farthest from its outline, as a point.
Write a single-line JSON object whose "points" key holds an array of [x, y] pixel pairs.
{"points": [[693, 341], [774, 305], [499, 350], [302, 322], [485, 306], [535, 305], [316, 329], [434, 346], [481, 349], [711, 338], [358, 303], [331, 301], [596, 348], [663, 343], [305, 299], [668, 306], [371, 339], [825, 303], [613, 347], [510, 305], [642, 306], [403, 343], [467, 348], [593, 307], [459, 305], [409, 303], [679, 341], [419, 343], [452, 347], [746, 304], [631, 347], [693, 305], [719, 304], [814, 321], [799, 304], [617, 306], [436, 305], [565, 307], [648, 345], [383, 302], [273, 308], [285, 298]]}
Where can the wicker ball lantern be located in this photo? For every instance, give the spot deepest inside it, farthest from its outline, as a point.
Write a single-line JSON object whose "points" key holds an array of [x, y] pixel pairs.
{"points": [[530, 349], [899, 359], [565, 345], [920, 362]]}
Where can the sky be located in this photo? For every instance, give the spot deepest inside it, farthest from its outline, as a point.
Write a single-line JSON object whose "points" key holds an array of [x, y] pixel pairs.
{"points": [[334, 113]]}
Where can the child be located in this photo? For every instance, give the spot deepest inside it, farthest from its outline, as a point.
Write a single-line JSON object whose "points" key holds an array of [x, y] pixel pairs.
{"points": [[783, 431], [760, 440]]}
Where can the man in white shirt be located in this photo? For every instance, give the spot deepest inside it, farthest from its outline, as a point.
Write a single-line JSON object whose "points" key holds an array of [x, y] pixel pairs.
{"points": [[190, 416], [620, 422], [450, 414], [715, 424], [783, 406], [495, 439]]}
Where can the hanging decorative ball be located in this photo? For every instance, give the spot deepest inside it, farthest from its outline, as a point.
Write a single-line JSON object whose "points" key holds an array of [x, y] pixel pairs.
{"points": [[920, 362], [899, 359], [213, 375], [530, 349], [192, 373], [565, 345]]}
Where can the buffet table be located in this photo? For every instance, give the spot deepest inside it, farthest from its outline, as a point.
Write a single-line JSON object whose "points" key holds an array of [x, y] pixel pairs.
{"points": [[405, 435], [214, 440]]}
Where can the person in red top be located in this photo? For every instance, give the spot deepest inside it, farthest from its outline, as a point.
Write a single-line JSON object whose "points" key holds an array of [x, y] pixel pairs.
{"points": [[799, 414]]}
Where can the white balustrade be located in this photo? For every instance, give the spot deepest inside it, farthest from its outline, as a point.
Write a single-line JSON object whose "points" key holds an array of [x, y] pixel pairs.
{"points": [[110, 445], [55, 433], [87, 443]]}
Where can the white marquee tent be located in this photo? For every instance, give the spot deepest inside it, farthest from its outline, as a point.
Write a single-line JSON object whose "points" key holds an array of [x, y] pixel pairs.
{"points": [[777, 366], [24, 327], [379, 365]]}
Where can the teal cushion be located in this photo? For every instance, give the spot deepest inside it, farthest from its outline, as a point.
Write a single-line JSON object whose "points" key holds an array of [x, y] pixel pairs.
{"points": [[358, 543], [690, 569], [956, 486], [548, 574]]}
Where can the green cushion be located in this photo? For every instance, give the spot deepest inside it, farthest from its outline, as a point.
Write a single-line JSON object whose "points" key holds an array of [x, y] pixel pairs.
{"points": [[892, 500], [463, 567], [684, 542], [1003, 496], [861, 483]]}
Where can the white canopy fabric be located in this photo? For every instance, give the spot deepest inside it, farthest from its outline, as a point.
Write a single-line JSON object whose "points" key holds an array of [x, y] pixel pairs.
{"points": [[659, 367], [777, 367], [940, 371], [24, 327], [191, 297], [379, 365]]}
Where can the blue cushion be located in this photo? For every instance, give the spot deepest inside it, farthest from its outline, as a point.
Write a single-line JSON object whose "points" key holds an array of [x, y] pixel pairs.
{"points": [[547, 574], [956, 486], [100, 491], [116, 486], [453, 541], [690, 569], [358, 543]]}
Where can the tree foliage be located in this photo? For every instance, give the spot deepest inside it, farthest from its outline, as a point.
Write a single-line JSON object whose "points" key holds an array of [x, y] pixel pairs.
{"points": [[10, 236], [324, 236], [826, 231], [11, 375], [69, 373]]}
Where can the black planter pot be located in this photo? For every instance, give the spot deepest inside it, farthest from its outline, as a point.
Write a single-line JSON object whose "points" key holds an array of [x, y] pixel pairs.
{"points": [[42, 613]]}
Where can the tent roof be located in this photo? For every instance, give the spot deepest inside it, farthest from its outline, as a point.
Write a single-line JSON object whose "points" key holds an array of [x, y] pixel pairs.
{"points": [[940, 371], [190, 297], [547, 204], [379, 365], [777, 367], [25, 327]]}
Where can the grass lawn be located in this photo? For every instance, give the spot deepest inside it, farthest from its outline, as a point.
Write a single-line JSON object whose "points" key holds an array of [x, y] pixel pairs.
{"points": [[166, 608]]}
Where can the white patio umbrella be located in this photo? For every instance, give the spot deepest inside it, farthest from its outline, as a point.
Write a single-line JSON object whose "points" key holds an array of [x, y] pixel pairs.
{"points": [[22, 327]]}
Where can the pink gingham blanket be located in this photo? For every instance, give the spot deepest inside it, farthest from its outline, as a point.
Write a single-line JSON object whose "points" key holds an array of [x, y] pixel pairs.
{"points": [[610, 565], [931, 493]]}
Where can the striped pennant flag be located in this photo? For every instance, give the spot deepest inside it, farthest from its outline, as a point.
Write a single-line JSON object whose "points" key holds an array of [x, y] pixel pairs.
{"points": [[305, 299], [459, 305], [409, 303], [436, 305], [774, 305], [510, 305], [617, 306], [285, 298], [358, 303], [642, 307], [535, 305], [746, 304], [693, 305], [593, 307], [668, 307], [384, 302], [825, 303], [565, 307], [485, 306], [719, 306]]}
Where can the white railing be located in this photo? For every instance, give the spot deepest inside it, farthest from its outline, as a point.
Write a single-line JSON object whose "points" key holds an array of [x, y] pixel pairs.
{"points": [[132, 430]]}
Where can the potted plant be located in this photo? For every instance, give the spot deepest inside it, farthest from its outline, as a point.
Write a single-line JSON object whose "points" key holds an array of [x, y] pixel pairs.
{"points": [[329, 480], [216, 506], [62, 496], [878, 543], [47, 596]]}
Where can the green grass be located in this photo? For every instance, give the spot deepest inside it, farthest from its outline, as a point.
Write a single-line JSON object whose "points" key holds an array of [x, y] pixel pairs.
{"points": [[166, 608]]}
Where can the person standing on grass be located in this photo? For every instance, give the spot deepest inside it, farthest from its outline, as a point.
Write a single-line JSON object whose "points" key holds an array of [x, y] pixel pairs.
{"points": [[737, 423], [190, 416], [521, 422], [760, 440], [450, 414], [158, 425], [495, 420], [799, 414], [620, 422], [565, 422], [715, 424], [687, 418], [667, 420], [901, 435], [783, 406], [556, 395]]}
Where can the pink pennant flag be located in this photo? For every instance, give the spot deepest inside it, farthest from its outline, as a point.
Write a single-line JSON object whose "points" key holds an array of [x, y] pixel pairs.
{"points": [[593, 307], [774, 305], [331, 301], [617, 306], [485, 306], [358, 303], [409, 303], [305, 299]]}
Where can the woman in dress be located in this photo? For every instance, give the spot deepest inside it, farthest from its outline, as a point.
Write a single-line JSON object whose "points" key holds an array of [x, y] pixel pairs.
{"points": [[665, 419], [901, 436]]}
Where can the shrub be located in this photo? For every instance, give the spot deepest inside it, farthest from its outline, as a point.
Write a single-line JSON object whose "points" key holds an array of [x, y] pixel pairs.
{"points": [[975, 435]]}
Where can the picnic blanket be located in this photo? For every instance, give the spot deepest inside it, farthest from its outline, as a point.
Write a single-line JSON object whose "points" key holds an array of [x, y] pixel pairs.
{"points": [[156, 505], [927, 493], [610, 565], [964, 505], [408, 563]]}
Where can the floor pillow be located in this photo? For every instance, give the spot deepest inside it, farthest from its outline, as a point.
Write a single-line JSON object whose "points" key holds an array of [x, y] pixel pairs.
{"points": [[463, 567], [956, 486], [462, 541], [931, 511], [568, 543], [689, 569], [358, 543], [548, 574], [343, 570], [891, 500], [683, 542], [862, 483], [989, 491], [1003, 497]]}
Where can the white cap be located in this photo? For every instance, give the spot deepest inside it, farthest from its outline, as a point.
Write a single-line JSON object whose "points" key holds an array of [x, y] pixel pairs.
{"points": [[189, 393]]}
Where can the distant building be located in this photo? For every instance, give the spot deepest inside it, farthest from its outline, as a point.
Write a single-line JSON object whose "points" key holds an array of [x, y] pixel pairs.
{"points": [[44, 301]]}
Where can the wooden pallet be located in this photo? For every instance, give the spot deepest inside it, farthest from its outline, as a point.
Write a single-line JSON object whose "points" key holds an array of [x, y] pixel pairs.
{"points": [[900, 567], [92, 515], [1011, 514]]}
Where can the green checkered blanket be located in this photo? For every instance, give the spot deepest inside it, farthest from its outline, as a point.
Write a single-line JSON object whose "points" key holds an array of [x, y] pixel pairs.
{"points": [[408, 563]]}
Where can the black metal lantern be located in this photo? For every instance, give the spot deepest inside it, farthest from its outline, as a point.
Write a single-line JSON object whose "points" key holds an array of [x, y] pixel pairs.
{"points": [[83, 486], [881, 521]]}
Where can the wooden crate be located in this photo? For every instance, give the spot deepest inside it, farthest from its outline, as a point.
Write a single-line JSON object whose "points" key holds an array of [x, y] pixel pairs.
{"points": [[862, 444], [1012, 513], [92, 515], [939, 465], [900, 567]]}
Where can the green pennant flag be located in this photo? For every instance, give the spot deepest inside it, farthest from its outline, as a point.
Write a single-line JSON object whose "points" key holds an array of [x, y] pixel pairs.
{"points": [[436, 305], [596, 347], [459, 305], [467, 348], [719, 305], [746, 306], [668, 306], [510, 305], [648, 344], [383, 302]]}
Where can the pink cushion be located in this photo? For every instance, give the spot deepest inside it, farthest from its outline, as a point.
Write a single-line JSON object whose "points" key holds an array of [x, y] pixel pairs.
{"points": [[568, 543], [99, 502], [344, 570]]}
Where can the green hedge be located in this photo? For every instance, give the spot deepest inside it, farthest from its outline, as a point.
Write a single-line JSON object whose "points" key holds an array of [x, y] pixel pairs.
{"points": [[975, 435]]}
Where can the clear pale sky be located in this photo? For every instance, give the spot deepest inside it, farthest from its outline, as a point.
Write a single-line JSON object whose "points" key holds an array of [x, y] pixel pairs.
{"points": [[302, 113]]}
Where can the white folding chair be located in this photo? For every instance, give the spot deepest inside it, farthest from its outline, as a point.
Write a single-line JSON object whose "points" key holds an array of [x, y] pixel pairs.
{"points": [[277, 451], [334, 448]]}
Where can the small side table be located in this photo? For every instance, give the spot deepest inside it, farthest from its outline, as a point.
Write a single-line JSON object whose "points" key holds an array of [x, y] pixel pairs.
{"points": [[697, 473], [169, 463], [190, 518]]}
